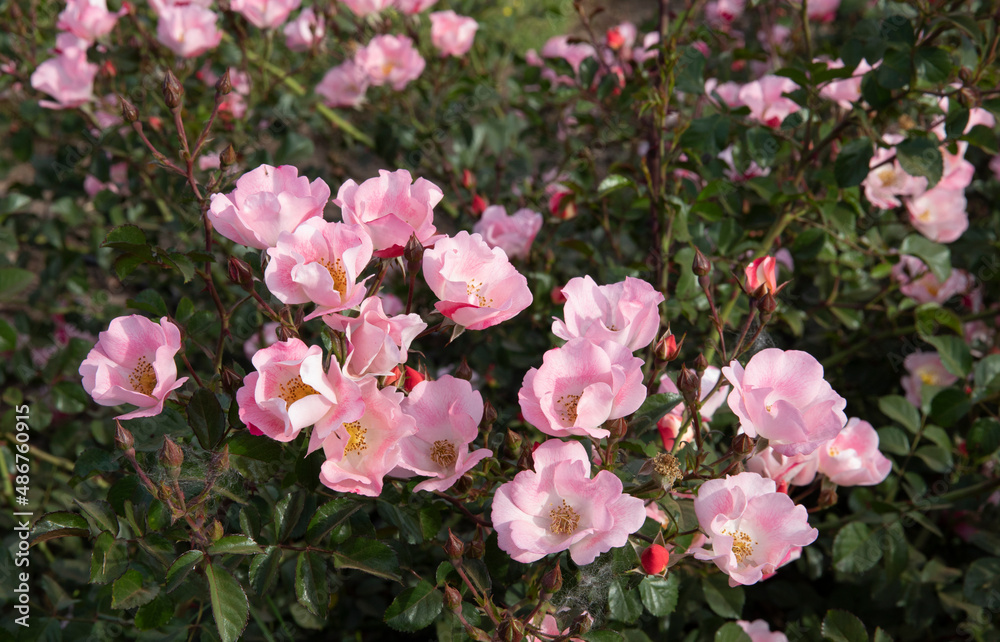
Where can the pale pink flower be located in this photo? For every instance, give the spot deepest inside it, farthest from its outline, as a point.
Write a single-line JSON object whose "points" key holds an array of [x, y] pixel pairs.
{"points": [[413, 7], [790, 470], [513, 233], [845, 91], [188, 30], [758, 630], [822, 10], [68, 78], [344, 85], [670, 423], [477, 286], [88, 19], [729, 92], [751, 527], [265, 14], [626, 312], [266, 202], [657, 514], [133, 363], [884, 184], [390, 59], [117, 185], [761, 273], [648, 48], [376, 343], [391, 303], [782, 396], [724, 12], [557, 506], [752, 171], [765, 100], [289, 391], [363, 8], [852, 458], [924, 369], [391, 209], [319, 262], [447, 412], [939, 214], [451, 33], [361, 452], [305, 31], [580, 386], [160, 5], [919, 283], [573, 53]]}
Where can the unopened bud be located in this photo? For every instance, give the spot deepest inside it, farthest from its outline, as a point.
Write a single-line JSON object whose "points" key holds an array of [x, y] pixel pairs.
{"points": [[582, 624], [526, 461], [284, 333], [689, 384], [700, 265], [552, 581], [464, 484], [468, 179], [667, 349], [489, 416], [220, 460], [452, 599], [454, 547], [510, 629], [413, 252], [463, 371], [700, 364], [767, 304], [968, 96], [123, 438], [618, 428], [654, 559], [760, 291], [227, 157], [476, 549], [241, 273], [230, 380], [215, 531], [827, 497], [743, 444], [513, 441], [173, 91], [478, 205], [224, 85], [171, 456], [129, 113]]}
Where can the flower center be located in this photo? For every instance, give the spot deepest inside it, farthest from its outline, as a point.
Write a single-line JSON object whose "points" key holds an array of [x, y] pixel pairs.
{"points": [[924, 216], [143, 377], [564, 519], [337, 273], [928, 378], [294, 389], [357, 443], [887, 176], [567, 411], [472, 290], [742, 545], [443, 453], [387, 68], [833, 451]]}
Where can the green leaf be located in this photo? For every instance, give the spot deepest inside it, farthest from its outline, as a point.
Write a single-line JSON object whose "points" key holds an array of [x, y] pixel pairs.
{"points": [[149, 301], [264, 570], [229, 603], [287, 512], [659, 594], [235, 545], [893, 440], [933, 63], [58, 524], [984, 437], [101, 515], [415, 608], [937, 458], [613, 183], [954, 353], [986, 374], [954, 124], [726, 601], [124, 234], [731, 632], [652, 410], [110, 559], [851, 166], [982, 582], [206, 418], [588, 69], [855, 550], [14, 280], [603, 635], [808, 244], [841, 626], [329, 516], [690, 71], [157, 613], [894, 72], [8, 337], [311, 586], [901, 411], [706, 135], [94, 460], [624, 603], [243, 444], [921, 157], [949, 406], [130, 591], [181, 567], [931, 316], [881, 636], [369, 556], [982, 137]]}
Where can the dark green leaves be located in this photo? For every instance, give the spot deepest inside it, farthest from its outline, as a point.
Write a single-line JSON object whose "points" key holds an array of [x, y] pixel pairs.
{"points": [[659, 594], [181, 567], [369, 556], [59, 524], [727, 601], [921, 157], [311, 586], [706, 135], [415, 608], [229, 603], [933, 63], [132, 590], [234, 545], [110, 559], [851, 166], [935, 256], [206, 418], [624, 602], [841, 626], [731, 632], [954, 354], [652, 410], [13, 281], [855, 549]]}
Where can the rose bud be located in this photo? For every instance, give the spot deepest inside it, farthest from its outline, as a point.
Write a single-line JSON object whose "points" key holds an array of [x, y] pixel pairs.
{"points": [[654, 559]]}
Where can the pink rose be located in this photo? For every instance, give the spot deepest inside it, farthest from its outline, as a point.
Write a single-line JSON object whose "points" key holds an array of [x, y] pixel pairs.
{"points": [[413, 7], [513, 233], [361, 452], [729, 92], [557, 506], [766, 102], [88, 19], [319, 262], [447, 412], [389, 59], [343, 86], [363, 8], [626, 312], [751, 527], [574, 54], [759, 631], [477, 286], [290, 391], [133, 363], [68, 78], [924, 369], [621, 38], [884, 184], [919, 283], [852, 458], [159, 6], [845, 91], [188, 30], [580, 386], [266, 202], [760, 273], [939, 214], [822, 10], [265, 14], [377, 343], [782, 396], [791, 470], [391, 209], [305, 31], [451, 33]]}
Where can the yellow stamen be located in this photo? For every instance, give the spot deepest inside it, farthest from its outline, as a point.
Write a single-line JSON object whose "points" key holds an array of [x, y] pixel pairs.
{"points": [[564, 519], [443, 453], [357, 441], [294, 389], [569, 404], [143, 377], [337, 272]]}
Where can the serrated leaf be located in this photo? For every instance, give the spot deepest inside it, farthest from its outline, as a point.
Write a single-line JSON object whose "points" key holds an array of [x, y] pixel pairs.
{"points": [[624, 603], [181, 567], [652, 410], [731, 632], [130, 591], [921, 157], [369, 556], [264, 570], [954, 353], [933, 63], [286, 514], [726, 601], [206, 418], [101, 515], [659, 594], [329, 516], [900, 410], [841, 626], [58, 524], [230, 606], [109, 560], [855, 550], [851, 166], [129, 234], [415, 608], [311, 586], [157, 613], [235, 545]]}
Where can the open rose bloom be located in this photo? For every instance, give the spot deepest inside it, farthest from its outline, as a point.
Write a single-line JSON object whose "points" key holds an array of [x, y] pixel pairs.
{"points": [[133, 363], [188, 30], [626, 312], [514, 233], [390, 60], [68, 78], [766, 101], [265, 14], [924, 369], [852, 458], [377, 343], [451, 33], [343, 86], [751, 528], [557, 506], [87, 19], [759, 631]]}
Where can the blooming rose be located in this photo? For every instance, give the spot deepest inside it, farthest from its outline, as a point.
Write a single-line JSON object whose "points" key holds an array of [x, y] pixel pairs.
{"points": [[68, 78], [391, 209], [359, 453], [265, 14], [751, 528], [924, 369], [447, 412], [343, 86], [390, 59], [376, 343], [188, 30], [783, 397], [319, 262], [765, 100], [580, 386], [87, 19], [305, 31], [557, 506], [451, 33], [761, 272], [852, 458], [625, 312], [266, 202], [133, 362], [919, 283], [822, 11], [845, 91], [574, 54], [412, 7], [758, 630], [887, 180], [939, 214], [364, 7], [790, 470], [477, 286], [729, 92], [513, 233]]}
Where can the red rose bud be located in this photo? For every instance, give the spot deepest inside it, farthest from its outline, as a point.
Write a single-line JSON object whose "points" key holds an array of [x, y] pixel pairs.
{"points": [[654, 559], [689, 383], [413, 377], [743, 444], [615, 38], [618, 428], [452, 599], [123, 438], [557, 296], [667, 348], [562, 205], [227, 157], [171, 455], [241, 273], [552, 581], [463, 371], [468, 179], [767, 305], [478, 205], [413, 252]]}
